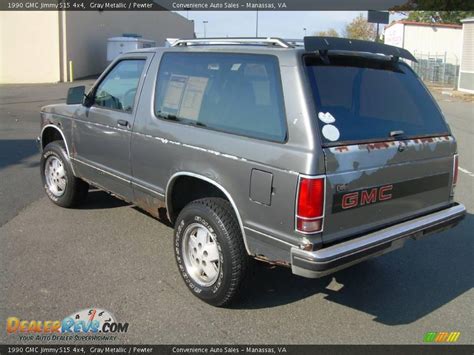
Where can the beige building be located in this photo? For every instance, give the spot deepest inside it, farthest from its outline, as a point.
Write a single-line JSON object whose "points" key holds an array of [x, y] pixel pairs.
{"points": [[466, 72], [426, 40], [37, 46]]}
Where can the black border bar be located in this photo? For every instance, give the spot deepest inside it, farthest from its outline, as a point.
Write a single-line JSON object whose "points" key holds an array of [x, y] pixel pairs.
{"points": [[238, 349], [235, 5]]}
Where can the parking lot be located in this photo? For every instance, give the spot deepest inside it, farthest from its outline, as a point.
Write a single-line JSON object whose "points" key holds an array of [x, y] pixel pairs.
{"points": [[109, 254]]}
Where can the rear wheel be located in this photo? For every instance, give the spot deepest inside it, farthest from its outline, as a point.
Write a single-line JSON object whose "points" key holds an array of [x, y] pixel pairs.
{"points": [[210, 252], [59, 182]]}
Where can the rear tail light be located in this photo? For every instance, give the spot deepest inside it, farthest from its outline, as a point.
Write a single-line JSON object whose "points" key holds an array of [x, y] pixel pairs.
{"points": [[455, 170], [310, 205]]}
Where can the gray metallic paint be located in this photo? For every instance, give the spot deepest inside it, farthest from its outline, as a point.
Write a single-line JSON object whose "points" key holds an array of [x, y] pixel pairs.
{"points": [[140, 163]]}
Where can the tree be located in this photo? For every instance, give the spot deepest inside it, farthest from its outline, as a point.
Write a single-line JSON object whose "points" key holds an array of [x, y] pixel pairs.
{"points": [[359, 28], [453, 17], [329, 33], [435, 6]]}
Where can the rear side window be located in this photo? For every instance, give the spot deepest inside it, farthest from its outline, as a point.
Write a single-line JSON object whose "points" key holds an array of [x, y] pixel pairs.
{"points": [[368, 99], [233, 93]]}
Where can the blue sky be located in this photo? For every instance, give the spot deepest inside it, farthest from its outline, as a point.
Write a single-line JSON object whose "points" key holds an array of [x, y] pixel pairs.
{"points": [[285, 24]]}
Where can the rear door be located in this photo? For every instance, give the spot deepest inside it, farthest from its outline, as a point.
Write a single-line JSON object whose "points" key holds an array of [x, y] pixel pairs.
{"points": [[388, 151]]}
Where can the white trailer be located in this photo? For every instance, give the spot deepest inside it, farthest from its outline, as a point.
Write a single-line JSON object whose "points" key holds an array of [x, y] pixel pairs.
{"points": [[120, 45]]}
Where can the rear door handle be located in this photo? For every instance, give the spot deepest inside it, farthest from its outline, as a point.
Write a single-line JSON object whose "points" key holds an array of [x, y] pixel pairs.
{"points": [[123, 123]]}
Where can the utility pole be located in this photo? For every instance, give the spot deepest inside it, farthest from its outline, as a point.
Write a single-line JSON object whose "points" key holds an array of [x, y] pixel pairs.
{"points": [[256, 25], [256, 22], [204, 23], [304, 29], [378, 17]]}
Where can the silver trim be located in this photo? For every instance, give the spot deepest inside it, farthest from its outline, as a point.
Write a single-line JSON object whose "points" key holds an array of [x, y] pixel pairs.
{"points": [[393, 234], [148, 189], [296, 204], [455, 173], [295, 42], [226, 193], [104, 125], [59, 130], [101, 170], [233, 41], [64, 139]]}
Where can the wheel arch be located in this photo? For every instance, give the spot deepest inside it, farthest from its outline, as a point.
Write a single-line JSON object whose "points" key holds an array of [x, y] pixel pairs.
{"points": [[52, 130], [169, 191], [47, 129]]}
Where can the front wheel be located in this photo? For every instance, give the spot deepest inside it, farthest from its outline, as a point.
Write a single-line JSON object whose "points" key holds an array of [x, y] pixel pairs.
{"points": [[210, 251], [59, 182]]}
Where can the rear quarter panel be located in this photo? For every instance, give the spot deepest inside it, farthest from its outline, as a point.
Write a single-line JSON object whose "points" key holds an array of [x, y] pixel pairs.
{"points": [[163, 148]]}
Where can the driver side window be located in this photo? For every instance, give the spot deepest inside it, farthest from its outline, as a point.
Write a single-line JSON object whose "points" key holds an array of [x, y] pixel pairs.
{"points": [[117, 90]]}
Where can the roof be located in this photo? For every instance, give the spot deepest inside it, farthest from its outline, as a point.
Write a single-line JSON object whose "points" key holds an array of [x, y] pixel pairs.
{"points": [[287, 56], [289, 52], [426, 24]]}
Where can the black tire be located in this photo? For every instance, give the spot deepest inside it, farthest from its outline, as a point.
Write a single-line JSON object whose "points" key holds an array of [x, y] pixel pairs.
{"points": [[75, 190], [217, 215]]}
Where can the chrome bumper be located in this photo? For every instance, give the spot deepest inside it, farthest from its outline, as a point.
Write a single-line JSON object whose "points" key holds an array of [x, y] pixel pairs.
{"points": [[325, 261]]}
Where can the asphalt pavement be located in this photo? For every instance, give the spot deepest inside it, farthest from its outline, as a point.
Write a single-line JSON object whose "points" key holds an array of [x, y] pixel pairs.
{"points": [[108, 254]]}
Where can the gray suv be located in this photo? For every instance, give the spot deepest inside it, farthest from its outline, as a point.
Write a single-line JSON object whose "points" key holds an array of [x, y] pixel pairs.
{"points": [[314, 155]]}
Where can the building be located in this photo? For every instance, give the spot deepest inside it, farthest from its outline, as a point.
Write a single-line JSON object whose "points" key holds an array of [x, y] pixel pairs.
{"points": [[466, 72], [38, 46], [428, 41]]}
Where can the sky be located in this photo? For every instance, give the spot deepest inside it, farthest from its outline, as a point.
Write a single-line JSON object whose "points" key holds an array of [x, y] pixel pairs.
{"points": [[284, 24]]}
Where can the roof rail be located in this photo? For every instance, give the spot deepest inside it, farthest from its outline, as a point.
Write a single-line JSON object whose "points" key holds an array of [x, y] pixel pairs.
{"points": [[273, 41], [295, 42]]}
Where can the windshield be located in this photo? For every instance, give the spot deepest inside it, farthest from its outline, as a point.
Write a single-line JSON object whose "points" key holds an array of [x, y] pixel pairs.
{"points": [[370, 99]]}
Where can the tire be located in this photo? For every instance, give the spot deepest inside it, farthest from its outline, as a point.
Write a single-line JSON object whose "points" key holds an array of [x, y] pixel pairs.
{"points": [[210, 251], [59, 182]]}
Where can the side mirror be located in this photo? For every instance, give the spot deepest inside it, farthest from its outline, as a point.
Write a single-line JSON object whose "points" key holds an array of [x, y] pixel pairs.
{"points": [[75, 95]]}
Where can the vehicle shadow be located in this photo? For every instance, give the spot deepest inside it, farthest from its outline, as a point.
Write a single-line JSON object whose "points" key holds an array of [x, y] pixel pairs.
{"points": [[397, 288], [99, 200], [16, 151]]}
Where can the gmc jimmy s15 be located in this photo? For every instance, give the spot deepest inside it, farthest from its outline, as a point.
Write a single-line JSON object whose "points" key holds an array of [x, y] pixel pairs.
{"points": [[313, 155]]}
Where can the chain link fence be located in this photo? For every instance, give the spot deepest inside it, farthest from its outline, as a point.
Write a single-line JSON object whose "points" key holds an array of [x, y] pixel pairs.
{"points": [[439, 69]]}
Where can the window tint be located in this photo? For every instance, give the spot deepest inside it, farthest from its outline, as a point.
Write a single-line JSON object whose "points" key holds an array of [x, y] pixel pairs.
{"points": [[234, 93], [117, 90], [369, 98]]}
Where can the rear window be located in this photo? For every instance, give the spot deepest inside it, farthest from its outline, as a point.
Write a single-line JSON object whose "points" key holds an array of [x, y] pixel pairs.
{"points": [[368, 99], [234, 93]]}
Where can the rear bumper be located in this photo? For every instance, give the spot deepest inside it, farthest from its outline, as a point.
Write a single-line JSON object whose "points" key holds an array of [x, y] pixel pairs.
{"points": [[325, 261]]}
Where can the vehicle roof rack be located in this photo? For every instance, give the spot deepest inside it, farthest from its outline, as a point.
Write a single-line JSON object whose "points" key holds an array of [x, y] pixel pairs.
{"points": [[325, 44], [295, 42], [258, 41]]}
